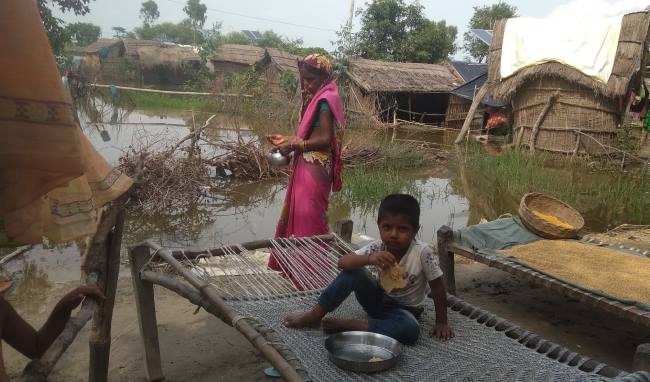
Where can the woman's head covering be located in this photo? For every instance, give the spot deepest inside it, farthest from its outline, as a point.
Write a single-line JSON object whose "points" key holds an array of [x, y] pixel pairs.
{"points": [[319, 62]]}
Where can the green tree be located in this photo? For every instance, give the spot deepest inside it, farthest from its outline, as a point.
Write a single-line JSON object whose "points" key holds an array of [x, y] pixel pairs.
{"points": [[181, 33], [54, 27], [195, 11], [484, 17], [431, 43], [149, 12], [118, 32], [83, 34], [236, 37], [395, 31]]}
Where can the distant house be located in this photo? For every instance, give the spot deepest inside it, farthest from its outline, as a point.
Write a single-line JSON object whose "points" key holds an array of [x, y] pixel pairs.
{"points": [[233, 58], [392, 91], [134, 62], [279, 70]]}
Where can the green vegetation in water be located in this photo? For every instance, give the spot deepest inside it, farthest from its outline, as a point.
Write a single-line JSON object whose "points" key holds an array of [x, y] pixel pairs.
{"points": [[605, 198], [365, 186], [143, 100]]}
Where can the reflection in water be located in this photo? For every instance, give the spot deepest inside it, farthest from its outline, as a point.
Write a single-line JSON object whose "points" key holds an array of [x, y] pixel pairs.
{"points": [[238, 212]]}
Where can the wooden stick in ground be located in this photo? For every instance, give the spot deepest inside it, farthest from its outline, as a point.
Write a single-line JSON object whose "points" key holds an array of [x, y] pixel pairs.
{"points": [[478, 97], [100, 338], [540, 118], [445, 236], [228, 315]]}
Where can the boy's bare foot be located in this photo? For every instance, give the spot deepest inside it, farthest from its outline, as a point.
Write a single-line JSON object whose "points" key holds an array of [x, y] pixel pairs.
{"points": [[310, 319], [335, 325]]}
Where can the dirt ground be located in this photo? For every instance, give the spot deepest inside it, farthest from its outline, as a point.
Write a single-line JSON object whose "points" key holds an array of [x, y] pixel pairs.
{"points": [[199, 347]]}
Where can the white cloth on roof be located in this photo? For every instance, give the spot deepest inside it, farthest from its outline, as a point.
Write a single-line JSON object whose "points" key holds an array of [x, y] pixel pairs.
{"points": [[588, 45]]}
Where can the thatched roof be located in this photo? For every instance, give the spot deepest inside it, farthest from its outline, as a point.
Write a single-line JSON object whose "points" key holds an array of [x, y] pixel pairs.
{"points": [[133, 45], [284, 60], [171, 55], [101, 43], [239, 54], [629, 55], [381, 76]]}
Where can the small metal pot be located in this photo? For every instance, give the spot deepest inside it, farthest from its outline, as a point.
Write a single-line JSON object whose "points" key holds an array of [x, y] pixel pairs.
{"points": [[276, 159], [363, 351]]}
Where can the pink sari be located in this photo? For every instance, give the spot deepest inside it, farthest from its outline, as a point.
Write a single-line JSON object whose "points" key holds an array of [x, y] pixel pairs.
{"points": [[305, 206]]}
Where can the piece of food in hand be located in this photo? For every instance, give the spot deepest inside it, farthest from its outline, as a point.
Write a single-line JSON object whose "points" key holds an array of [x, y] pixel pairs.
{"points": [[391, 278]]}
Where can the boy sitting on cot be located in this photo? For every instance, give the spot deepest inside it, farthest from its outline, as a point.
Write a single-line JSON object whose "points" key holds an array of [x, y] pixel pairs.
{"points": [[393, 314], [31, 343]]}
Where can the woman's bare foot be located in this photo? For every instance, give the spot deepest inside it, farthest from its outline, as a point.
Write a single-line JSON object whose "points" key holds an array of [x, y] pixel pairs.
{"points": [[310, 319], [335, 325]]}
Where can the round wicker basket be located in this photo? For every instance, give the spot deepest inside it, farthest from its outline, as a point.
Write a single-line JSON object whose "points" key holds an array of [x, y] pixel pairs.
{"points": [[550, 206]]}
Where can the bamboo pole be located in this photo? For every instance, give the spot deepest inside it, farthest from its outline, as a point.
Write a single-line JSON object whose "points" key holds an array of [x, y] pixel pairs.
{"points": [[251, 245], [470, 114], [540, 118], [170, 91], [228, 315]]}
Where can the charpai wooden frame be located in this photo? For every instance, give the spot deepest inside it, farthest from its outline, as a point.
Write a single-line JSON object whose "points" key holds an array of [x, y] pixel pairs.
{"points": [[447, 248]]}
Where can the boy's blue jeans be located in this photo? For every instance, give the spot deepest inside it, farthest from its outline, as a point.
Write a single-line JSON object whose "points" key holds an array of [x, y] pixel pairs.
{"points": [[386, 317]]}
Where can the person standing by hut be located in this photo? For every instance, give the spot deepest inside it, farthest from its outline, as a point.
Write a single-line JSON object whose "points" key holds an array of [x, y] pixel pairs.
{"points": [[316, 149]]}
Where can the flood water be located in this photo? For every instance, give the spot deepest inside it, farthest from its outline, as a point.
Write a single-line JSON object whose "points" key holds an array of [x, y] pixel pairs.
{"points": [[252, 210]]}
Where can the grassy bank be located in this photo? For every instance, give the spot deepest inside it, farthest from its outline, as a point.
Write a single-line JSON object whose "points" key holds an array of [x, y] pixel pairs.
{"points": [[143, 100], [605, 197]]}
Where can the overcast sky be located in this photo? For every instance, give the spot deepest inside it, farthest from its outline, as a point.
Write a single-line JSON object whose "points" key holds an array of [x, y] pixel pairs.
{"points": [[315, 21]]}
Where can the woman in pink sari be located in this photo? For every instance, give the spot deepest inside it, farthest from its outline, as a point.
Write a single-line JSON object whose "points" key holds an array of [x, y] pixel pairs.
{"points": [[316, 151]]}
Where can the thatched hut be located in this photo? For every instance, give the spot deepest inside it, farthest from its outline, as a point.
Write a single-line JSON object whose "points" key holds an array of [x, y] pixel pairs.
{"points": [[391, 91], [167, 64], [232, 59], [279, 70], [586, 112], [138, 62]]}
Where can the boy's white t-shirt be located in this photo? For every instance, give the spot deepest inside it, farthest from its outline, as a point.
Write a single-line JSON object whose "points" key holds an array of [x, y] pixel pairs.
{"points": [[419, 266]]}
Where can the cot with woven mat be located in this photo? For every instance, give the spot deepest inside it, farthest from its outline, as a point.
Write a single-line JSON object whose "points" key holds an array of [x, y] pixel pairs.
{"points": [[232, 283]]}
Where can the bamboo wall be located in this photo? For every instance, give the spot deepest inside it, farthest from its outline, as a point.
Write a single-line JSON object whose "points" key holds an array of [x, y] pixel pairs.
{"points": [[457, 112], [579, 121]]}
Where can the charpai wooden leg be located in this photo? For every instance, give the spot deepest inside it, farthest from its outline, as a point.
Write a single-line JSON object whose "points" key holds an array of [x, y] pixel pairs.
{"points": [[146, 308], [445, 236]]}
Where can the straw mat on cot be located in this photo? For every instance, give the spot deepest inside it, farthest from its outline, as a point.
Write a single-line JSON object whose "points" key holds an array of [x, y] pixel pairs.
{"points": [[616, 273]]}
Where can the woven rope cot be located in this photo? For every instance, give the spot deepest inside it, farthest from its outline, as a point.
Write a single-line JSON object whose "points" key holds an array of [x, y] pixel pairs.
{"points": [[229, 283]]}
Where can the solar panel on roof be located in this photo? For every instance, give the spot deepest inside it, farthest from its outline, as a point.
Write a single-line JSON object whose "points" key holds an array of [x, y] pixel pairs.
{"points": [[484, 35], [252, 35]]}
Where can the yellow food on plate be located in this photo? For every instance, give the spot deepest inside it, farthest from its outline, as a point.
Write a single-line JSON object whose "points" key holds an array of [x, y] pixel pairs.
{"points": [[375, 359], [553, 220], [391, 278]]}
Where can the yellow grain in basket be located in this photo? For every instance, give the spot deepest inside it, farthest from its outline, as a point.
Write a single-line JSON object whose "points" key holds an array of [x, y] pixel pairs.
{"points": [[553, 220]]}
